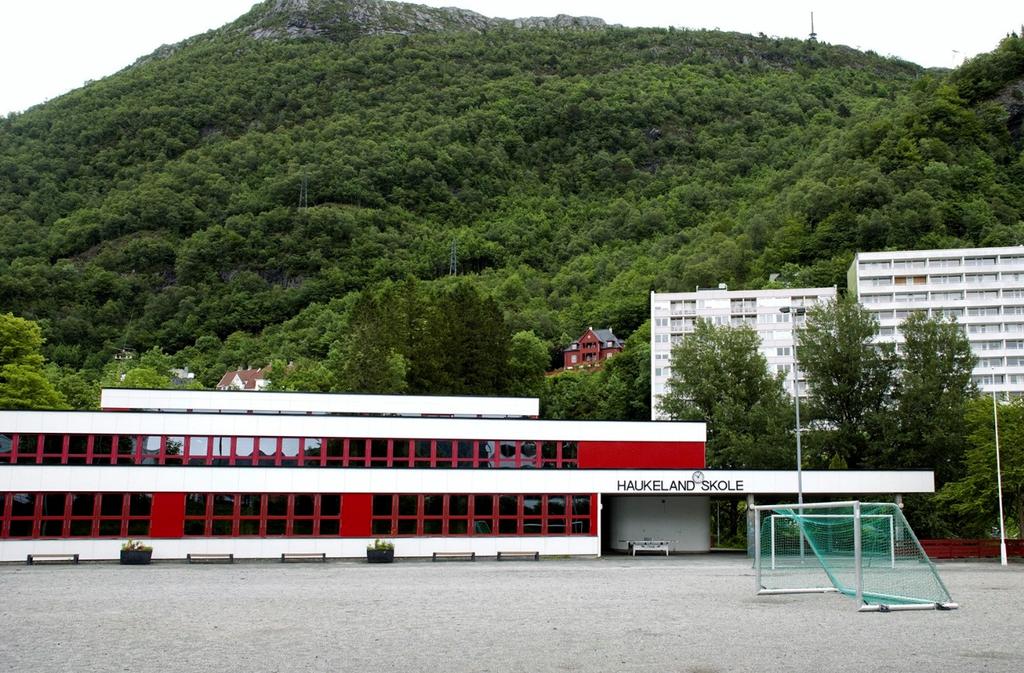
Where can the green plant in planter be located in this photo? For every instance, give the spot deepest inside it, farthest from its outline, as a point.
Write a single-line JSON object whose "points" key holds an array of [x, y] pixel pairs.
{"points": [[134, 553], [381, 551], [135, 545]]}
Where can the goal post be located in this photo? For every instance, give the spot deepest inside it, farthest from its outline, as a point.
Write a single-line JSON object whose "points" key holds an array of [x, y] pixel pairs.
{"points": [[866, 551]]}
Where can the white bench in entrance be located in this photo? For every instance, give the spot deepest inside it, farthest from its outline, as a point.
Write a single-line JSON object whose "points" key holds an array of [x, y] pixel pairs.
{"points": [[649, 545]]}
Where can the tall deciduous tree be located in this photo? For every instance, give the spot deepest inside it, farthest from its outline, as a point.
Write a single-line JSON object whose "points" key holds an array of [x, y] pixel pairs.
{"points": [[719, 376], [934, 387], [850, 381], [23, 382], [974, 498]]}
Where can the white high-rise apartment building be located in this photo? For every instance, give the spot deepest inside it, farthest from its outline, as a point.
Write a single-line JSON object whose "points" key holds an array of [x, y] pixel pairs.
{"points": [[674, 315], [983, 288]]}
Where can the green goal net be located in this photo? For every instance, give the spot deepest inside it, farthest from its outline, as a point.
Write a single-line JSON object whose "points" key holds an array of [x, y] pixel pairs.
{"points": [[866, 551]]}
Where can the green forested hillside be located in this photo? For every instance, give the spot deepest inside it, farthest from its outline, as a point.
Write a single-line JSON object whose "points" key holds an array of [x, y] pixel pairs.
{"points": [[575, 169]]}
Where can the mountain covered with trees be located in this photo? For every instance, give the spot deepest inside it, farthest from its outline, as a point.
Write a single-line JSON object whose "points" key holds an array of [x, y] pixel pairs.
{"points": [[261, 192]]}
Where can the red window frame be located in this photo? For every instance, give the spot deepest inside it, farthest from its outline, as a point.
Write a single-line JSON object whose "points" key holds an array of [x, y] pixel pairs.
{"points": [[278, 515], [483, 515], [266, 451], [78, 515]]}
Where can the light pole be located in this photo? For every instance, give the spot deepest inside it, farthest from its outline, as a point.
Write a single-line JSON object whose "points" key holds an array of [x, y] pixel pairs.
{"points": [[797, 310], [999, 481]]}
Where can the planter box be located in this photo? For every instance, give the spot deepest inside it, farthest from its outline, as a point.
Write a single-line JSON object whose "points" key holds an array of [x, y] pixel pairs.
{"points": [[380, 555], [136, 558]]}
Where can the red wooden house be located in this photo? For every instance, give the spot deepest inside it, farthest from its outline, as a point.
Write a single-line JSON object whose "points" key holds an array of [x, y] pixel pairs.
{"points": [[593, 346]]}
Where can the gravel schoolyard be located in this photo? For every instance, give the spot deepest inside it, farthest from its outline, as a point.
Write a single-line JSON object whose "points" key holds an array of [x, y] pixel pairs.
{"points": [[683, 614]]}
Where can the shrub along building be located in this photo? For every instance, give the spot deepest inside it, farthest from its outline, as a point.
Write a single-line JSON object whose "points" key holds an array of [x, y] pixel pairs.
{"points": [[258, 475]]}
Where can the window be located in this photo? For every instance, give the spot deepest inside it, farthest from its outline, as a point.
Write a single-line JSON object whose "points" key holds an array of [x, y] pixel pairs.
{"points": [[117, 515], [876, 298], [947, 296], [481, 515], [874, 266], [784, 351], [262, 515], [990, 363], [983, 310], [1015, 344], [979, 261], [878, 282], [903, 264], [1013, 310], [988, 345], [1013, 361], [945, 279], [943, 262], [912, 297], [1013, 327], [976, 278], [983, 329]]}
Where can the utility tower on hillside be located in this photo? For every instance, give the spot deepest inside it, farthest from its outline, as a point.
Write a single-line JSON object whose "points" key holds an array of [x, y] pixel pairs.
{"points": [[453, 260], [813, 36]]}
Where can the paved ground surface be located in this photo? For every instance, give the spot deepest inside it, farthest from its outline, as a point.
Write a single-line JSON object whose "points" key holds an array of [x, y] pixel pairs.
{"points": [[683, 614]]}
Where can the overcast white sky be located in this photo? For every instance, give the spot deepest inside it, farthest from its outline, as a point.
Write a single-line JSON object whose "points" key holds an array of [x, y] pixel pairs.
{"points": [[48, 47]]}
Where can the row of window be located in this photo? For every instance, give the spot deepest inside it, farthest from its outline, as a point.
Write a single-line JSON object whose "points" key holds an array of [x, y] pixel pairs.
{"points": [[283, 451], [951, 295], [262, 515], [942, 279], [482, 515], [28, 515], [940, 262]]}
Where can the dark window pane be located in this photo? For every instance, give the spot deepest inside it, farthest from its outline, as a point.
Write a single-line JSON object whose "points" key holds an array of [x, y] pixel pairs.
{"points": [[380, 527], [433, 505], [23, 504], [127, 444], [138, 528], [332, 527], [508, 527], [330, 505], [531, 504], [483, 505], [407, 526], [481, 527], [549, 450], [111, 504], [458, 505], [195, 504], [556, 504], [78, 443], [223, 504], [531, 527], [110, 528], [529, 451], [6, 447], [457, 527], [52, 529], [382, 505], [407, 505], [508, 505], [21, 529], [276, 526], [485, 453], [53, 504], [401, 448], [444, 448], [432, 527], [28, 445], [80, 528], [248, 527], [556, 526], [568, 450], [334, 448], [221, 450], [249, 505], [423, 448], [102, 445], [302, 527], [81, 504], [303, 505], [140, 504], [379, 448], [53, 444], [277, 505], [357, 448], [195, 528], [581, 526], [222, 527], [581, 504]]}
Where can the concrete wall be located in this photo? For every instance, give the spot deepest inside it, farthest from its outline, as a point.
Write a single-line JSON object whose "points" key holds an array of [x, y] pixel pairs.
{"points": [[684, 519]]}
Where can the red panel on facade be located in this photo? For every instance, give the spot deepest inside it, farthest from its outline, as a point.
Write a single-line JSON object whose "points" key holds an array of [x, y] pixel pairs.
{"points": [[641, 455], [356, 509], [168, 515]]}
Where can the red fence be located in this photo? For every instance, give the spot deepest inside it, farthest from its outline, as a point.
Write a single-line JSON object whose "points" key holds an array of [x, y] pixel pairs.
{"points": [[988, 548]]}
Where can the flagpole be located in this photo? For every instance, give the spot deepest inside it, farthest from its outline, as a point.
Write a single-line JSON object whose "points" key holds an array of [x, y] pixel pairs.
{"points": [[999, 481]]}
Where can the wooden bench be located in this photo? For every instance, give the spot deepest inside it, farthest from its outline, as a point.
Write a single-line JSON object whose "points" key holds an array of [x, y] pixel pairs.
{"points": [[51, 558], [649, 545], [304, 556], [524, 555], [455, 555], [210, 558]]}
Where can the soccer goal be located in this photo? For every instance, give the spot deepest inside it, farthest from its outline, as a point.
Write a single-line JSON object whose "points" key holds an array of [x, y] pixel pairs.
{"points": [[866, 551]]}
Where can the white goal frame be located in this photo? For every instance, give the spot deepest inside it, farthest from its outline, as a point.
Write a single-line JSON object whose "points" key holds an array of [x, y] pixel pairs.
{"points": [[858, 559]]}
